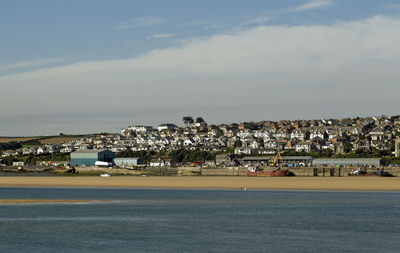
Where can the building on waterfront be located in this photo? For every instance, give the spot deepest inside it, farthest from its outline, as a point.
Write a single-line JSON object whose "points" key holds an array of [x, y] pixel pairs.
{"points": [[397, 148], [255, 160], [18, 163], [374, 162], [226, 160], [128, 162], [89, 157], [296, 160]]}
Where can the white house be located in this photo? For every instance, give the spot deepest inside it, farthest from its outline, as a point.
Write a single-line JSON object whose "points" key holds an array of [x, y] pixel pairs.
{"points": [[141, 129], [273, 144], [167, 127], [318, 133], [244, 150], [303, 146], [299, 134], [40, 150], [66, 150]]}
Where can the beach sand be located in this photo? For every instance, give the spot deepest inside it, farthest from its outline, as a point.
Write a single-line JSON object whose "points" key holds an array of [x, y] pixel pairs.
{"points": [[272, 183]]}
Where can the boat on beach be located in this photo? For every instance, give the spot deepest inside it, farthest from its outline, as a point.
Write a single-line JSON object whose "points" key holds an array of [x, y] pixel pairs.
{"points": [[105, 175], [270, 173]]}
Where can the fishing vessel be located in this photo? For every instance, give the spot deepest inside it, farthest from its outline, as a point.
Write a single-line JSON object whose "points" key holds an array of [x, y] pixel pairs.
{"points": [[270, 173]]}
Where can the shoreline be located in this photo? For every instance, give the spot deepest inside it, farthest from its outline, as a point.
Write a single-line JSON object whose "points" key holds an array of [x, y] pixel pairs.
{"points": [[210, 182]]}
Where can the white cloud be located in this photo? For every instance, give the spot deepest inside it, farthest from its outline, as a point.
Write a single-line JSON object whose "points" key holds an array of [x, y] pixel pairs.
{"points": [[314, 4], [270, 15], [267, 72], [31, 63], [261, 20], [140, 22], [160, 36], [205, 22]]}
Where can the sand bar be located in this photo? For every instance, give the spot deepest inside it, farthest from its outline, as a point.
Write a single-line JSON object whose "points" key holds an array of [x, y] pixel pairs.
{"points": [[275, 183]]}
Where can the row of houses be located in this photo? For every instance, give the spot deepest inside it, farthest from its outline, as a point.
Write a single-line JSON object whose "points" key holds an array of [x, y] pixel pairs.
{"points": [[265, 137]]}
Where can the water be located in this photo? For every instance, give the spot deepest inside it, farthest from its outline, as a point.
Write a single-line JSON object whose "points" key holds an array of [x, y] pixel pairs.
{"points": [[150, 220]]}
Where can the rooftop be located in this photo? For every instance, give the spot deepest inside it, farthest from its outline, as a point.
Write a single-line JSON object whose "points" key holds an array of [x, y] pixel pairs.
{"points": [[90, 150]]}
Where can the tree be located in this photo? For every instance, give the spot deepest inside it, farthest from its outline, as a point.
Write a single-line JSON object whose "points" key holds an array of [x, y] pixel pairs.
{"points": [[187, 120], [13, 145], [219, 133], [260, 141], [238, 143], [200, 120], [348, 147], [392, 146], [186, 156], [126, 153]]}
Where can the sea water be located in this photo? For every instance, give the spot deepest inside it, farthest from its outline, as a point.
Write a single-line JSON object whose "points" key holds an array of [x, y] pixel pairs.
{"points": [[155, 220]]}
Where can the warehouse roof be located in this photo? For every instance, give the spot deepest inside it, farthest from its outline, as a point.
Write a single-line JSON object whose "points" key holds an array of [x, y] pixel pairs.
{"points": [[348, 161], [257, 158], [90, 150], [296, 157], [126, 158], [286, 158]]}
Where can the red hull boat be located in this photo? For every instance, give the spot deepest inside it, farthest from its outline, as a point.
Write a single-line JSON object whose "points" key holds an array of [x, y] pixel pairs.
{"points": [[269, 173]]}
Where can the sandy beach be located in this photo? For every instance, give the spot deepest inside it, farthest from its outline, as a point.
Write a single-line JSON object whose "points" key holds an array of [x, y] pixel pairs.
{"points": [[277, 183]]}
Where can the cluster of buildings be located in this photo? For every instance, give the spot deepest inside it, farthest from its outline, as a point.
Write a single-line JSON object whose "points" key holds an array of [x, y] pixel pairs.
{"points": [[269, 137], [92, 157], [107, 158], [249, 138], [39, 150]]}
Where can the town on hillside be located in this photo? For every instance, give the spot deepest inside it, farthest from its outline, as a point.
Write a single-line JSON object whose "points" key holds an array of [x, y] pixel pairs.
{"points": [[198, 142]]}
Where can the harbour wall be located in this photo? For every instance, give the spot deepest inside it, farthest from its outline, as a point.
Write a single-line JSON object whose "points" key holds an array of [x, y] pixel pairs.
{"points": [[299, 171], [197, 171]]}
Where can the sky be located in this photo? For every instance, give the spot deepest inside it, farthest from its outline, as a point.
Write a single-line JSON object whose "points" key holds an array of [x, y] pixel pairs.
{"points": [[98, 66]]}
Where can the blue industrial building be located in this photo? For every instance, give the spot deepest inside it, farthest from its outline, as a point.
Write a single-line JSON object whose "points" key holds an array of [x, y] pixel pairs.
{"points": [[90, 156]]}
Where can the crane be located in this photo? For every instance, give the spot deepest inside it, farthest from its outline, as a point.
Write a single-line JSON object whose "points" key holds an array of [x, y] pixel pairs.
{"points": [[276, 161]]}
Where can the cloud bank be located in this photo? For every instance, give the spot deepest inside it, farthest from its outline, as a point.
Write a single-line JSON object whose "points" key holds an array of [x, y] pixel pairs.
{"points": [[267, 72], [314, 4], [140, 22], [160, 36], [31, 63]]}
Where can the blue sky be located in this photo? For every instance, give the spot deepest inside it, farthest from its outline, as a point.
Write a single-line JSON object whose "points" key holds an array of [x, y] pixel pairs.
{"points": [[48, 47], [61, 32]]}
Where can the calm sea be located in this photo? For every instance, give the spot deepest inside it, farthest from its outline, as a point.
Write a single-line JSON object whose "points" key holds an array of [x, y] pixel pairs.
{"points": [[151, 220]]}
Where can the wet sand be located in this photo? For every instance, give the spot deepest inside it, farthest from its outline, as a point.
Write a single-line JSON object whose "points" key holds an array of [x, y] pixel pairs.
{"points": [[271, 183], [42, 201]]}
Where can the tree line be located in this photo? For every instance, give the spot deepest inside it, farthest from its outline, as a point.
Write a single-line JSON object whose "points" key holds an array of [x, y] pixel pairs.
{"points": [[181, 156], [187, 120], [12, 145]]}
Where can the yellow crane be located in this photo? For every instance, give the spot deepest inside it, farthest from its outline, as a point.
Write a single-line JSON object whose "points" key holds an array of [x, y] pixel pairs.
{"points": [[276, 161]]}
